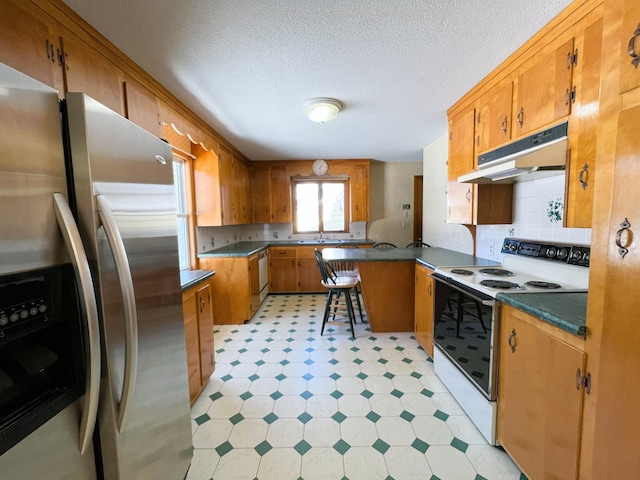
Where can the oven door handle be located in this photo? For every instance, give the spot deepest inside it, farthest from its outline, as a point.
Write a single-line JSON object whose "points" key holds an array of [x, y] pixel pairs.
{"points": [[489, 302]]}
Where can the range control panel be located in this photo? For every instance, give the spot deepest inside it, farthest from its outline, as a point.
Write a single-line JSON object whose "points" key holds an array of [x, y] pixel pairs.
{"points": [[557, 252]]}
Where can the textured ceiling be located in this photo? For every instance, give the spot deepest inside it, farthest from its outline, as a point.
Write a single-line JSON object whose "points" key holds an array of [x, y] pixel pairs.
{"points": [[248, 66]]}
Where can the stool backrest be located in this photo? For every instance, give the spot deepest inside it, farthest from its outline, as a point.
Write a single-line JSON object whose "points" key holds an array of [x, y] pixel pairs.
{"points": [[384, 245]]}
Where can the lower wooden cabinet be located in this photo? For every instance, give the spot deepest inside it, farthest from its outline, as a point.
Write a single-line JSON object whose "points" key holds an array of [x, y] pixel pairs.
{"points": [[540, 396], [198, 328], [423, 327], [235, 287]]}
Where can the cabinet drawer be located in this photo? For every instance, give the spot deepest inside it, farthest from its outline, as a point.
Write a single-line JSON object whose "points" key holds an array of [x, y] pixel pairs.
{"points": [[189, 306], [282, 252], [191, 332], [306, 252]]}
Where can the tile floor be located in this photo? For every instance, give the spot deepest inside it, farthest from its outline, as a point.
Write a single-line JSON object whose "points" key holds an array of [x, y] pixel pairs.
{"points": [[285, 403]]}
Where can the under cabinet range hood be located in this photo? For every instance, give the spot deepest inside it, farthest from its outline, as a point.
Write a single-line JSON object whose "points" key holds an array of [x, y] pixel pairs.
{"points": [[529, 158]]}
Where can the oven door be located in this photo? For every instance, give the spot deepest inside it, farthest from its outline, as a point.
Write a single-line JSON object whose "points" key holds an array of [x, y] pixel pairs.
{"points": [[465, 331]]}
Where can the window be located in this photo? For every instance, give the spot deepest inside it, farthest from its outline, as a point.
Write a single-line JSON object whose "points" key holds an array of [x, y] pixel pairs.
{"points": [[319, 206], [179, 180]]}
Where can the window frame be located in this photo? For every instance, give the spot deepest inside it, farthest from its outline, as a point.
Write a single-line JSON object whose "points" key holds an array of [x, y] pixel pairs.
{"points": [[319, 181]]}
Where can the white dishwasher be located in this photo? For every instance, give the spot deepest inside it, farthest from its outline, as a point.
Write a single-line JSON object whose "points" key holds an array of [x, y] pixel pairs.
{"points": [[263, 273]]}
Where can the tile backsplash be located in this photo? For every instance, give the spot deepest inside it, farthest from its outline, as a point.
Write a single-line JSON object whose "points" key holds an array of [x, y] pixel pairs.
{"points": [[211, 238], [538, 211]]}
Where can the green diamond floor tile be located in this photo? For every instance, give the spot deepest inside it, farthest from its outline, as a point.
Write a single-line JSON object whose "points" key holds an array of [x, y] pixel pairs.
{"points": [[306, 394], [202, 419], [389, 375], [362, 376], [237, 418], [339, 417], [224, 448], [366, 394], [334, 376], [427, 393], [254, 377], [263, 447], [270, 418], [416, 375], [246, 395], [304, 417], [407, 416], [276, 395], [420, 445], [302, 447], [336, 394], [282, 376], [373, 416], [480, 477], [381, 446], [459, 444], [441, 415], [341, 447], [215, 396], [226, 378], [397, 393]]}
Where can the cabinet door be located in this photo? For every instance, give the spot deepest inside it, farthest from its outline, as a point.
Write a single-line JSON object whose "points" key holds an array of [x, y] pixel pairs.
{"points": [[190, 312], [142, 108], [494, 117], [205, 332], [280, 195], [225, 177], [543, 90], [27, 45], [206, 181], [461, 140], [230, 288], [359, 182], [282, 270], [424, 309], [583, 127], [539, 406], [261, 194], [309, 277], [629, 78], [89, 72], [241, 191]]}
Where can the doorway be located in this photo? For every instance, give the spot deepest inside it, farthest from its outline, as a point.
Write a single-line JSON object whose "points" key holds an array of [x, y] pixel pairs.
{"points": [[417, 208]]}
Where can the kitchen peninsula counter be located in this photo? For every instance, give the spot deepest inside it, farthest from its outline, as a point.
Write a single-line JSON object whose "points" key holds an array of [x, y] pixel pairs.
{"points": [[189, 278], [387, 277]]}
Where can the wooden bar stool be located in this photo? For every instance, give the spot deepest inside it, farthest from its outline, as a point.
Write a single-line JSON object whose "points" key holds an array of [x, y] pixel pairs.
{"points": [[336, 286]]}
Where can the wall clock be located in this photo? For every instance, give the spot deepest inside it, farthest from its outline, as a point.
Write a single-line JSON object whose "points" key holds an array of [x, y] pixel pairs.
{"points": [[320, 167]]}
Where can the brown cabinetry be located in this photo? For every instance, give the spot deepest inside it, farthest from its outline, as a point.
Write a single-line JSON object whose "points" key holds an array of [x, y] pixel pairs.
{"points": [[359, 183], [424, 292], [469, 203], [544, 89], [307, 270], [283, 269], [142, 108], [539, 395], [270, 194], [494, 117], [198, 327]]}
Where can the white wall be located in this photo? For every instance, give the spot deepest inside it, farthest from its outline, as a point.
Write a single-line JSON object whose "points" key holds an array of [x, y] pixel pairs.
{"points": [[435, 229]]}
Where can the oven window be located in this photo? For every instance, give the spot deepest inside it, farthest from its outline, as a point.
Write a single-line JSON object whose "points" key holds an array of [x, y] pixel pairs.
{"points": [[462, 330]]}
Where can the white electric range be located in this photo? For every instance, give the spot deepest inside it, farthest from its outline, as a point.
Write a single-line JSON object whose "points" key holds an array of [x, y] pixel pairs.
{"points": [[466, 314]]}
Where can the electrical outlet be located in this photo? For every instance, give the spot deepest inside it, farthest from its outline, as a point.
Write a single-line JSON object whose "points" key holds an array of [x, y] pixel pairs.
{"points": [[491, 249]]}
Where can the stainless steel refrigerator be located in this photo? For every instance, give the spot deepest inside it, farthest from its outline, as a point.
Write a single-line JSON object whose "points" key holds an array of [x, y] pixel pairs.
{"points": [[123, 202]]}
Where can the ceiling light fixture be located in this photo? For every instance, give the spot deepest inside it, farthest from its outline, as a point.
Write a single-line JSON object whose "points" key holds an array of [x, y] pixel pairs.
{"points": [[322, 110]]}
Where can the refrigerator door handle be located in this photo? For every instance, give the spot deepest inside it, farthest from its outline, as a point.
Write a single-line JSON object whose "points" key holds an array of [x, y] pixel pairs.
{"points": [[130, 313], [73, 242]]}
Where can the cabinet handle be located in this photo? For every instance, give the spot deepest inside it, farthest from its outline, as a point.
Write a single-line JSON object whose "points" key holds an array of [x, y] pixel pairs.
{"points": [[628, 237], [511, 341], [50, 54], [583, 172], [521, 117], [569, 60], [632, 47], [578, 379], [429, 289], [468, 195], [505, 123]]}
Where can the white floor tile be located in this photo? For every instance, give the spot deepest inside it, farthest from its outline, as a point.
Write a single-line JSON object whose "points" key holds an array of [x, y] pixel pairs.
{"points": [[225, 407], [378, 384], [418, 404], [385, 404], [257, 406], [395, 431], [364, 463], [407, 463], [432, 430], [359, 431], [354, 405], [322, 406], [238, 464], [449, 464], [322, 464], [289, 406], [212, 433], [203, 464], [492, 463], [285, 432], [248, 433], [280, 464], [321, 432]]}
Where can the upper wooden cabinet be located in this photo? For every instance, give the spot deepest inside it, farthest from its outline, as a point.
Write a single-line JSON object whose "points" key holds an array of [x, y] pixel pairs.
{"points": [[206, 180], [359, 184], [29, 44], [142, 108], [86, 70], [469, 203], [280, 193], [494, 117], [241, 201], [544, 89]]}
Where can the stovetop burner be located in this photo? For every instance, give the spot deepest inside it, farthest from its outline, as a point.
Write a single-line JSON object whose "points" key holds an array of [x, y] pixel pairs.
{"points": [[498, 272], [501, 284], [461, 271], [545, 285]]}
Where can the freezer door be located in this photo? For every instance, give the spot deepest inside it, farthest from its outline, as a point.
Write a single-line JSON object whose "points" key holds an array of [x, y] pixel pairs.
{"points": [[50, 452], [126, 204]]}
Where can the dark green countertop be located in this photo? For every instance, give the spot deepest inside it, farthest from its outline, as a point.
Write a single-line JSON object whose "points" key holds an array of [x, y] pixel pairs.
{"points": [[189, 278], [244, 249], [430, 257], [567, 311]]}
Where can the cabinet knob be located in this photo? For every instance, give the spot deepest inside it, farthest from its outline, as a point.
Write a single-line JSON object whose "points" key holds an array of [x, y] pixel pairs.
{"points": [[521, 117], [505, 124], [584, 172], [632, 48], [624, 235], [512, 341]]}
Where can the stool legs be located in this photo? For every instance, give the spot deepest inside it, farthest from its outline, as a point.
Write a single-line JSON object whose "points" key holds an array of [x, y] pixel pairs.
{"points": [[349, 306]]}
